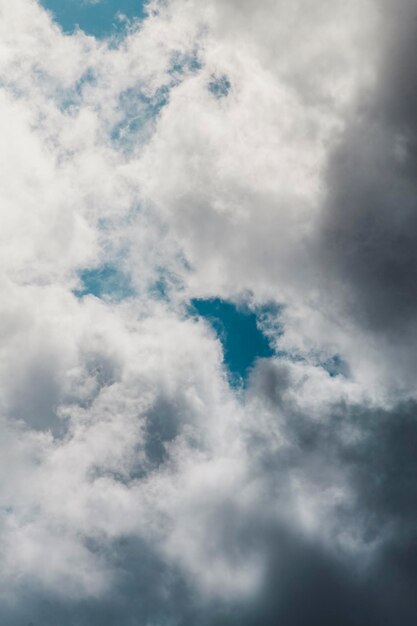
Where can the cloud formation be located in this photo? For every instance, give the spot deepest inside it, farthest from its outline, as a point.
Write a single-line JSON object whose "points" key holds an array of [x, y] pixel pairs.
{"points": [[259, 154]]}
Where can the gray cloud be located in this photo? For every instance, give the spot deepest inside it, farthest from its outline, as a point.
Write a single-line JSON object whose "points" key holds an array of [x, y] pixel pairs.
{"points": [[370, 225], [170, 498], [305, 581]]}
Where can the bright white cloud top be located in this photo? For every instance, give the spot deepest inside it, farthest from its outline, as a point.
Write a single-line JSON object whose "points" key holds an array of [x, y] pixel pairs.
{"points": [[255, 153]]}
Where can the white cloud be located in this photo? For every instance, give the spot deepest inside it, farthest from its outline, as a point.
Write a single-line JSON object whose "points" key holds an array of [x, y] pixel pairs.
{"points": [[223, 196]]}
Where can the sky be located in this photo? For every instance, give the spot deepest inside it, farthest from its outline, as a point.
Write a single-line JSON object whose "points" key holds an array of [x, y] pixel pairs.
{"points": [[100, 18], [208, 261]]}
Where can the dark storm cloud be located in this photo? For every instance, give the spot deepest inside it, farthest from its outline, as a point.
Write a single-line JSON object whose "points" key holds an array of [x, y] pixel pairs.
{"points": [[371, 452], [370, 226], [306, 582], [147, 591]]}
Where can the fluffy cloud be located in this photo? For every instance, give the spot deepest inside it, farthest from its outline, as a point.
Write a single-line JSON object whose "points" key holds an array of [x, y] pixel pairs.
{"points": [[257, 152]]}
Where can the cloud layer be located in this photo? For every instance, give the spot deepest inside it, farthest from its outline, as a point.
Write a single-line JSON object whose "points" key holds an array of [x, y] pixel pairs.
{"points": [[259, 153]]}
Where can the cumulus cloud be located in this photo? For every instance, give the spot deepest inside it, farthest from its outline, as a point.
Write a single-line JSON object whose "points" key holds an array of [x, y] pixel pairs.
{"points": [[262, 153]]}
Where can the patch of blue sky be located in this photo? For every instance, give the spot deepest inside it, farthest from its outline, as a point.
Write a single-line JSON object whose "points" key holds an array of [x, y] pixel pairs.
{"points": [[159, 290], [138, 112], [70, 99], [139, 107], [106, 282], [164, 286], [336, 366], [240, 332], [219, 86], [100, 18], [185, 63]]}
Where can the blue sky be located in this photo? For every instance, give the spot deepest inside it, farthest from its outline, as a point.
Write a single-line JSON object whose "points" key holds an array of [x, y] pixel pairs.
{"points": [[238, 329], [106, 281], [237, 326], [95, 18]]}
